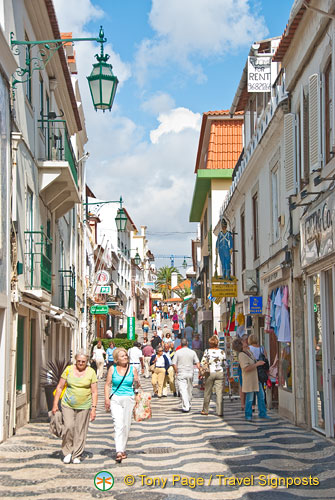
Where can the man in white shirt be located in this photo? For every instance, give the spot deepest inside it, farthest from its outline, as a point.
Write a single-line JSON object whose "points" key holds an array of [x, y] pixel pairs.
{"points": [[183, 364], [99, 358], [135, 356]]}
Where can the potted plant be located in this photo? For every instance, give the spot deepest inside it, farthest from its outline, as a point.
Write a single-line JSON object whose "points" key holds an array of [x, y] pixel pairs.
{"points": [[50, 376]]}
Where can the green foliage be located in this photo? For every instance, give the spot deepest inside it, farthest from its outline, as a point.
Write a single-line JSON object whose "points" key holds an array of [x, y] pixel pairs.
{"points": [[163, 282], [51, 374], [123, 336], [183, 292], [125, 343]]}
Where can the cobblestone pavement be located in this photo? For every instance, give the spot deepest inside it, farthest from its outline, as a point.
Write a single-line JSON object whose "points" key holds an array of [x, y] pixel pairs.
{"points": [[172, 444]]}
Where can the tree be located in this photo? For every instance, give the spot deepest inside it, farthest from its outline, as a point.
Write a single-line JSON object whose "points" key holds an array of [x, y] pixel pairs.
{"points": [[163, 282], [183, 292]]}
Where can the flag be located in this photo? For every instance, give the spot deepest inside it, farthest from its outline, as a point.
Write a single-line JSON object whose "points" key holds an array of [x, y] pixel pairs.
{"points": [[215, 332], [231, 327]]}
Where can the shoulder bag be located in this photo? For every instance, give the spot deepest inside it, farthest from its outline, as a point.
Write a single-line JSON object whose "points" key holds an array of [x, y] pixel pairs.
{"points": [[263, 370], [124, 376]]}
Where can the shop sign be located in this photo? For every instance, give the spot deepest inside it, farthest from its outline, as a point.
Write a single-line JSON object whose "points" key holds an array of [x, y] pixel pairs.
{"points": [[102, 278], [272, 276], [99, 309], [259, 74], [149, 284], [317, 231], [104, 289], [255, 305], [224, 289]]}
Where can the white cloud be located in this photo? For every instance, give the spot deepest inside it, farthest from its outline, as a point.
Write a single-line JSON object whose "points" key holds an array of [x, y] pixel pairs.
{"points": [[191, 29], [175, 121], [158, 103], [150, 176]]}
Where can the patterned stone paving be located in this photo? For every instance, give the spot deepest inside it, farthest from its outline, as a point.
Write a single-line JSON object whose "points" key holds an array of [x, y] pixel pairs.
{"points": [[189, 447]]}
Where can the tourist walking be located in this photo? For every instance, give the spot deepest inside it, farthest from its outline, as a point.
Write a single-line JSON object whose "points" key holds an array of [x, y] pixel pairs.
{"points": [[175, 328], [147, 351], [109, 355], [156, 340], [213, 362], [79, 405], [145, 327], [169, 377], [99, 358], [188, 333], [183, 363], [197, 345], [135, 356], [159, 365], [250, 383], [120, 398]]}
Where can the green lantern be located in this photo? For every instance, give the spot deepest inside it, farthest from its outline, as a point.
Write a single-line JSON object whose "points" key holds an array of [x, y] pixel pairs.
{"points": [[137, 259], [121, 220], [102, 82]]}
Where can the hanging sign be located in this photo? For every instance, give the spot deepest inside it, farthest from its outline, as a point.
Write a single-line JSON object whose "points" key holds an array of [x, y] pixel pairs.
{"points": [[104, 289], [259, 74], [222, 289], [255, 305], [99, 309], [102, 278]]}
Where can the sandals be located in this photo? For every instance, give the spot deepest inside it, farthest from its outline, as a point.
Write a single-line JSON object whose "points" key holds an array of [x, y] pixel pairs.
{"points": [[203, 412], [118, 458], [124, 455]]}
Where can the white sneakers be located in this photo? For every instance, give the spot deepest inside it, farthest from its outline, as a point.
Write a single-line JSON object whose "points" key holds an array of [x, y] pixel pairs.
{"points": [[67, 459]]}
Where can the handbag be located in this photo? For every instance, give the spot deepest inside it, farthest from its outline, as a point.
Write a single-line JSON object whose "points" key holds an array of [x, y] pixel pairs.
{"points": [[142, 408], [65, 385], [124, 376], [263, 370]]}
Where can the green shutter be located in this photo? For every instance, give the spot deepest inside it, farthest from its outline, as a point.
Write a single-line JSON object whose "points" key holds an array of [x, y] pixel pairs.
{"points": [[19, 353]]}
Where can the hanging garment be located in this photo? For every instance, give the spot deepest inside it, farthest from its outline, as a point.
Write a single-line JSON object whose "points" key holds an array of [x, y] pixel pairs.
{"points": [[267, 323], [273, 310], [284, 332], [278, 304]]}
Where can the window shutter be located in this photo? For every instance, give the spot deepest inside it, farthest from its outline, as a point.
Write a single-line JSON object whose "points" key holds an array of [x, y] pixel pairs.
{"points": [[304, 135], [314, 123], [333, 92], [290, 153]]}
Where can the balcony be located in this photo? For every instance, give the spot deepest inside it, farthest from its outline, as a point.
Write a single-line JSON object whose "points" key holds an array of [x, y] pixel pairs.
{"points": [[58, 175], [38, 264], [67, 289]]}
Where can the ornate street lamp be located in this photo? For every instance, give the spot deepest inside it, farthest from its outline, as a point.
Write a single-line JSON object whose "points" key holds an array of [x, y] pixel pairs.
{"points": [[137, 258], [101, 81], [121, 217], [184, 264]]}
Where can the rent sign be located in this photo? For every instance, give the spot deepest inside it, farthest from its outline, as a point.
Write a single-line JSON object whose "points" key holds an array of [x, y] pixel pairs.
{"points": [[259, 74]]}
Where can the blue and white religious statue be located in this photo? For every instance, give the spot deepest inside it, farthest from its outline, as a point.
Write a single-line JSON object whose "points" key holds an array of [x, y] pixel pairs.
{"points": [[224, 247]]}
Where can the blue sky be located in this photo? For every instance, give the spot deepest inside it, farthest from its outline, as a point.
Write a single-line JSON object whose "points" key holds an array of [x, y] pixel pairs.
{"points": [[175, 60]]}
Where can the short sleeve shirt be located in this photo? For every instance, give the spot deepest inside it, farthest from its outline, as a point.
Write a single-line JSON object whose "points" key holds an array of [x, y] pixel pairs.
{"points": [[78, 391], [215, 359], [184, 359]]}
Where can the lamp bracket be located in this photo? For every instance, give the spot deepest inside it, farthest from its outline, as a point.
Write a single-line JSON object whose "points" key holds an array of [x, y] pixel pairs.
{"points": [[46, 49]]}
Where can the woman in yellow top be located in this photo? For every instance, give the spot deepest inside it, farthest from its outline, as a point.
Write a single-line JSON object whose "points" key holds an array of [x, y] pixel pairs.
{"points": [[79, 405]]}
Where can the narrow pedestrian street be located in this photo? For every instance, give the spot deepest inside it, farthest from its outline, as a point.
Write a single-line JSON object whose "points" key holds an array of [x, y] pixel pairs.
{"points": [[172, 445]]}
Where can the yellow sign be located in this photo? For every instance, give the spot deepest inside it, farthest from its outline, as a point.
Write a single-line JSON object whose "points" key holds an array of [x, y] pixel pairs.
{"points": [[224, 289]]}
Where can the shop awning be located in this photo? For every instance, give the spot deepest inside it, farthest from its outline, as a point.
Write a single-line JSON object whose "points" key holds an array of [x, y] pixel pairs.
{"points": [[114, 312]]}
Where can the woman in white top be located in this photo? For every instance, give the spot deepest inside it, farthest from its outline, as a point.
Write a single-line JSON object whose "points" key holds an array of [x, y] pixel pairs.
{"points": [[213, 361]]}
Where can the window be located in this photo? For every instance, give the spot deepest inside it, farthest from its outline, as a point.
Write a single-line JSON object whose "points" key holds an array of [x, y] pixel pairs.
{"points": [[205, 224], [243, 241], [41, 97], [328, 113], [28, 60], [255, 225], [275, 201], [29, 211]]}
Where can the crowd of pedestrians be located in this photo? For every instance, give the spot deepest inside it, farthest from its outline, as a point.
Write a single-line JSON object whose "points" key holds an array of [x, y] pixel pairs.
{"points": [[170, 358]]}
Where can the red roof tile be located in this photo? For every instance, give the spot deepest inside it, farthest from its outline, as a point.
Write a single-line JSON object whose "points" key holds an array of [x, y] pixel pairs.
{"points": [[224, 140]]}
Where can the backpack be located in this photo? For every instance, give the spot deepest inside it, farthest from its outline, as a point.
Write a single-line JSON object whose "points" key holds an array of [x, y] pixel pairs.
{"points": [[263, 370]]}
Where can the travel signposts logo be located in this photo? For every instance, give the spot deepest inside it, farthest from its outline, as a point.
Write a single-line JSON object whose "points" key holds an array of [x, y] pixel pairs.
{"points": [[104, 480]]}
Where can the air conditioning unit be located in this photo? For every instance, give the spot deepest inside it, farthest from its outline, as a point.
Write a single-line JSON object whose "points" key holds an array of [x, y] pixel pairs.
{"points": [[249, 282]]}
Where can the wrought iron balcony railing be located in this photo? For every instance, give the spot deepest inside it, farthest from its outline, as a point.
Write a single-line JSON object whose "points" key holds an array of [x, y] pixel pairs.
{"points": [[38, 260], [57, 144], [67, 289]]}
